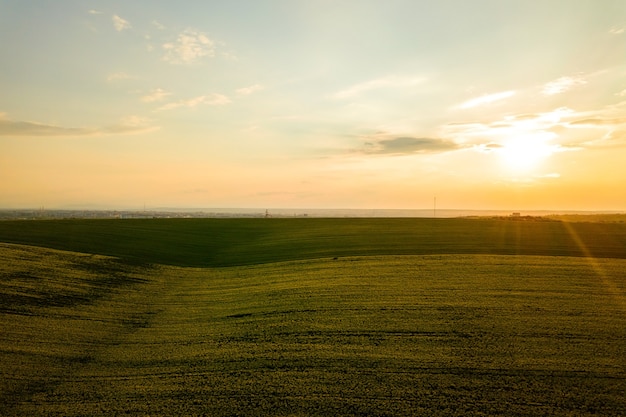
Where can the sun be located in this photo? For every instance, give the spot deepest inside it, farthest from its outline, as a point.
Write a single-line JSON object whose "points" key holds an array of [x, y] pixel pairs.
{"points": [[525, 153]]}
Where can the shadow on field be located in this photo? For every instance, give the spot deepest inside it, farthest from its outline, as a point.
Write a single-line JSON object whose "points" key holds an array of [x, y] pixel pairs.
{"points": [[57, 310]]}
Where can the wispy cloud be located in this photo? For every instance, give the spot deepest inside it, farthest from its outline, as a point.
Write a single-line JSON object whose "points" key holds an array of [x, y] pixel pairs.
{"points": [[158, 25], [563, 84], [189, 46], [120, 24], [599, 122], [604, 127], [118, 76], [128, 125], [486, 99], [382, 144], [93, 11], [249, 90], [155, 95], [617, 30], [559, 130], [132, 124], [208, 100], [21, 128], [375, 84], [487, 136]]}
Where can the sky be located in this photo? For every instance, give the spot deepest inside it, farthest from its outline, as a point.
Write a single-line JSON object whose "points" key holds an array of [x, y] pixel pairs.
{"points": [[481, 104]]}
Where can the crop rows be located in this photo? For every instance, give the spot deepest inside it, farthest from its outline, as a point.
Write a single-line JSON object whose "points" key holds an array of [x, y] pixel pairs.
{"points": [[377, 335]]}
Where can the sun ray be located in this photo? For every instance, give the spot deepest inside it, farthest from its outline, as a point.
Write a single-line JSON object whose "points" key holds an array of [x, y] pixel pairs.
{"points": [[616, 293]]}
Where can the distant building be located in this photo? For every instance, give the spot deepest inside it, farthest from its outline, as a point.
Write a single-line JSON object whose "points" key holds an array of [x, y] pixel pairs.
{"points": [[516, 214]]}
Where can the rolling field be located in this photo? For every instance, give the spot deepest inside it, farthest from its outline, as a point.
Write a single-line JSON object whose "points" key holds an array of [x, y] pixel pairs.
{"points": [[234, 242], [312, 317]]}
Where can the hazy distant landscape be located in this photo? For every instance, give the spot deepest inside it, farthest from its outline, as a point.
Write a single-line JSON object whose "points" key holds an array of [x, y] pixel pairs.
{"points": [[43, 214], [312, 316]]}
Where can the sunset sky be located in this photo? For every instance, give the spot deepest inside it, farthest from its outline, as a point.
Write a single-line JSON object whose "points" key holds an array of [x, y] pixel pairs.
{"points": [[497, 104]]}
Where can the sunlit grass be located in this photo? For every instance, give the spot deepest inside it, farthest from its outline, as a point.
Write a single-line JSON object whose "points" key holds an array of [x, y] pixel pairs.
{"points": [[376, 335]]}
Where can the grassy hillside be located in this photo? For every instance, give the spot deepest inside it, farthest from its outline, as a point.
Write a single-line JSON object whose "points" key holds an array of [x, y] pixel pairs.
{"points": [[432, 335], [229, 242], [312, 317]]}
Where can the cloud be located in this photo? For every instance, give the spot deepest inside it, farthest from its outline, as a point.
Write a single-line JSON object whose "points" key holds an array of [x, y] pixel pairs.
{"points": [[486, 99], [599, 122], [560, 130], [407, 145], [617, 30], [120, 24], [209, 100], [384, 82], [19, 128], [92, 11], [599, 132], [128, 125], [487, 147], [231, 56], [249, 90], [118, 76], [156, 95], [486, 136], [190, 46], [158, 25], [615, 138], [563, 84], [526, 116], [131, 124]]}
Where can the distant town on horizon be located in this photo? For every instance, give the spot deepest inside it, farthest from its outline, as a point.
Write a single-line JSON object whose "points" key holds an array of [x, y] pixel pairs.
{"points": [[169, 212]]}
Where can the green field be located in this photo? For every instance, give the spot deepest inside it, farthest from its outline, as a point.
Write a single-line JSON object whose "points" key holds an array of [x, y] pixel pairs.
{"points": [[235, 242], [254, 317]]}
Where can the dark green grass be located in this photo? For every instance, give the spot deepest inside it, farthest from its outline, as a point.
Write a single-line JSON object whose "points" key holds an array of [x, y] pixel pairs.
{"points": [[312, 317], [230, 242], [50, 324], [430, 335]]}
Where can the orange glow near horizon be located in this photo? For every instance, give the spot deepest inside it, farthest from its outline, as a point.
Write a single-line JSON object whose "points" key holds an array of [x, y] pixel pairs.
{"points": [[203, 107]]}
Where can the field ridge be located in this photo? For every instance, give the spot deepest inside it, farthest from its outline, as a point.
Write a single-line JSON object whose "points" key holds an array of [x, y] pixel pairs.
{"points": [[236, 242]]}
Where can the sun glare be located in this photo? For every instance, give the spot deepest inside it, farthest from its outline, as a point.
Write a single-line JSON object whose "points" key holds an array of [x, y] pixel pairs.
{"points": [[525, 153]]}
